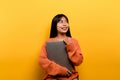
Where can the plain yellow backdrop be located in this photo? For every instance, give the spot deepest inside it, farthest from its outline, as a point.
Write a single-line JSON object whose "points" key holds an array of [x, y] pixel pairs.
{"points": [[25, 25]]}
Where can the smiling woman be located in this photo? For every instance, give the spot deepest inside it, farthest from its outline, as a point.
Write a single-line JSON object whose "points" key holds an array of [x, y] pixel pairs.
{"points": [[60, 31], [24, 26], [62, 26]]}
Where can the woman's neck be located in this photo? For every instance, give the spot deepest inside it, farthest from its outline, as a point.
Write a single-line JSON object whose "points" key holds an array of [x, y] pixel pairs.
{"points": [[61, 37]]}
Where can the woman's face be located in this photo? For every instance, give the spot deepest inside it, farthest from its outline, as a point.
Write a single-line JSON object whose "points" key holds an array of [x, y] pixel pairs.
{"points": [[62, 25]]}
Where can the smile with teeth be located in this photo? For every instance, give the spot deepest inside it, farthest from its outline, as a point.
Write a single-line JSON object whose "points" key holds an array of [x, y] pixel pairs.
{"points": [[64, 28]]}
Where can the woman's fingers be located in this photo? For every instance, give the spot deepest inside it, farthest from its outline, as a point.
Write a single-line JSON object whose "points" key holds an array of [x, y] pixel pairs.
{"points": [[68, 73], [67, 40]]}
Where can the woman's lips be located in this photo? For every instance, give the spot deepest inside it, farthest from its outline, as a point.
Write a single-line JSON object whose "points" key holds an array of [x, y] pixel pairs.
{"points": [[64, 28]]}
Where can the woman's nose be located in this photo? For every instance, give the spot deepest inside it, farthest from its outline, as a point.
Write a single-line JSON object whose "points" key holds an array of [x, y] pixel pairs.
{"points": [[65, 24]]}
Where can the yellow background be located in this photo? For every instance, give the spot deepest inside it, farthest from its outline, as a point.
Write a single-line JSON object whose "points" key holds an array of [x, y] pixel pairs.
{"points": [[25, 24]]}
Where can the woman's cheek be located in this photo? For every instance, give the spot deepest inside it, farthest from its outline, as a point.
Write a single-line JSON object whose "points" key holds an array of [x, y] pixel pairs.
{"points": [[58, 28]]}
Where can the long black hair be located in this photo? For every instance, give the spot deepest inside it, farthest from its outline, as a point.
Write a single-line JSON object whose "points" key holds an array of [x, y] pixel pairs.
{"points": [[55, 20]]}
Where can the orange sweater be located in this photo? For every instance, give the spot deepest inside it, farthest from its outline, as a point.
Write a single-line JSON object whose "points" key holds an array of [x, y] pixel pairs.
{"points": [[53, 69]]}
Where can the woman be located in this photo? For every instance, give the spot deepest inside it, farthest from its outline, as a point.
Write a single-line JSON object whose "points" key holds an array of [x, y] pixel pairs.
{"points": [[60, 31]]}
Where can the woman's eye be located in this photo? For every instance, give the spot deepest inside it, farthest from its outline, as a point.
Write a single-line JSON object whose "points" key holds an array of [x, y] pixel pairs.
{"points": [[61, 21]]}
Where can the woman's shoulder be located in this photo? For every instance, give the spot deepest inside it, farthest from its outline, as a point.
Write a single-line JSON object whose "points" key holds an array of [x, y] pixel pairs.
{"points": [[50, 39]]}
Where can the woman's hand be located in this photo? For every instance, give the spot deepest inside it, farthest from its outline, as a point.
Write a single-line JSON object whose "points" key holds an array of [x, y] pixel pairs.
{"points": [[68, 73], [67, 41]]}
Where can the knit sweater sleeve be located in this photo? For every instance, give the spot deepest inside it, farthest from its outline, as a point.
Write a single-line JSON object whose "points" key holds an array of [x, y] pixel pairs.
{"points": [[49, 66], [74, 52]]}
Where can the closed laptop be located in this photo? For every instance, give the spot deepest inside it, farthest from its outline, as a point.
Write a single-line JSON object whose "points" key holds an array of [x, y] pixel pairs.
{"points": [[56, 52]]}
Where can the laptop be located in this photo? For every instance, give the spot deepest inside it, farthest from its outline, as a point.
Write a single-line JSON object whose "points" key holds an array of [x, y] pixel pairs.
{"points": [[56, 51]]}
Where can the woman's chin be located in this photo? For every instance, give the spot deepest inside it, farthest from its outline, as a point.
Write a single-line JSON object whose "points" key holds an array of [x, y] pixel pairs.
{"points": [[63, 32]]}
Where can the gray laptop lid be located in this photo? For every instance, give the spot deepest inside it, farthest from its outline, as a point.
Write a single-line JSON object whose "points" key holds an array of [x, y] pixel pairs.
{"points": [[56, 52]]}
